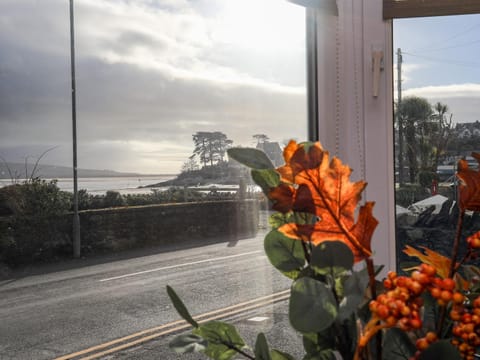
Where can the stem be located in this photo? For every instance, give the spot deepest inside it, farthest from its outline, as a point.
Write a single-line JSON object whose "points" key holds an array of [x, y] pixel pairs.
{"points": [[241, 352], [306, 252], [373, 290], [453, 266], [456, 244]]}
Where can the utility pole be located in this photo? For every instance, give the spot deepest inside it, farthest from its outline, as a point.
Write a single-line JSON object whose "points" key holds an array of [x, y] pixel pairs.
{"points": [[76, 217], [399, 118]]}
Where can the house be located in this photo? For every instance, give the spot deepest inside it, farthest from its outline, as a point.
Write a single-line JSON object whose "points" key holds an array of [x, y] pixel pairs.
{"points": [[273, 151], [467, 130]]}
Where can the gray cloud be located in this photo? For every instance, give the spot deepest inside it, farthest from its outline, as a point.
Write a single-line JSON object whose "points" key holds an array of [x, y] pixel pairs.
{"points": [[148, 77]]}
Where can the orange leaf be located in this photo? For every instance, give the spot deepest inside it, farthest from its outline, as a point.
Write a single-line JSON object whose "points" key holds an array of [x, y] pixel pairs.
{"points": [[438, 261], [469, 186], [323, 187]]}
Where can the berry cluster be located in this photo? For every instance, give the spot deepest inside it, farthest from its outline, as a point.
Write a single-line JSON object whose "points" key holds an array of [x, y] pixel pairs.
{"points": [[400, 305], [467, 328]]}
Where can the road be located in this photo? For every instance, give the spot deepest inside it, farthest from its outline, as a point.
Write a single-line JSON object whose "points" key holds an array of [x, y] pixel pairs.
{"points": [[48, 316]]}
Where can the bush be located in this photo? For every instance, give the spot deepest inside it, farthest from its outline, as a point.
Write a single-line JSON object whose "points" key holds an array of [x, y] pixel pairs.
{"points": [[425, 178], [30, 232], [409, 194]]}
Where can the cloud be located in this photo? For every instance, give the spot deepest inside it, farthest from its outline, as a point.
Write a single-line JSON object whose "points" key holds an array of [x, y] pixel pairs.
{"points": [[461, 99], [447, 91], [149, 74]]}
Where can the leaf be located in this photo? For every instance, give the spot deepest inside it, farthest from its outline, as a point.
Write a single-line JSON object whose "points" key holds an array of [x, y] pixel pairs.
{"points": [[278, 355], [354, 289], [266, 179], [312, 306], [180, 307], [397, 345], [187, 343], [284, 253], [441, 350], [222, 339], [253, 158], [469, 185], [312, 183], [438, 261], [331, 257], [261, 348]]}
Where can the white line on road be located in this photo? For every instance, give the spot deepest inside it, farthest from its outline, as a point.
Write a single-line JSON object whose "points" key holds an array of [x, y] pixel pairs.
{"points": [[180, 265]]}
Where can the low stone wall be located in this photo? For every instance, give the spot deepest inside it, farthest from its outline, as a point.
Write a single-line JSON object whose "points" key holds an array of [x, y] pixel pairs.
{"points": [[116, 229], [168, 224]]}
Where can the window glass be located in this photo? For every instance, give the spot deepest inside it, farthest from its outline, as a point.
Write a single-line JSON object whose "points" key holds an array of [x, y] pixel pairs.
{"points": [[437, 123], [163, 89]]}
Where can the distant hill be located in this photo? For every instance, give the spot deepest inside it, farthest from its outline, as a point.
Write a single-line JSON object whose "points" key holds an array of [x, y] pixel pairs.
{"points": [[54, 172]]}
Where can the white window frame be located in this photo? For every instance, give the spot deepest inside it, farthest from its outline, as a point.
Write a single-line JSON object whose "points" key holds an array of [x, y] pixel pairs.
{"points": [[354, 123]]}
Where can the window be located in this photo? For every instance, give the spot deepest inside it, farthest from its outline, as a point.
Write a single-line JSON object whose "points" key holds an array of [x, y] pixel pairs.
{"points": [[162, 89], [437, 90]]}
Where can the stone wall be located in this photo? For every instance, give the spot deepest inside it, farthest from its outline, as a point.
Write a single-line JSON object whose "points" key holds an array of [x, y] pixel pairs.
{"points": [[116, 229], [168, 224]]}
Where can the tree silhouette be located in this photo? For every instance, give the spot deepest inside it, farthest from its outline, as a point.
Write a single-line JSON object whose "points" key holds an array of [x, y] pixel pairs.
{"points": [[210, 147]]}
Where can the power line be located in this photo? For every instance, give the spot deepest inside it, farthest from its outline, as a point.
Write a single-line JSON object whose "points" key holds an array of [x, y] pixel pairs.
{"points": [[443, 41], [449, 47], [445, 61]]}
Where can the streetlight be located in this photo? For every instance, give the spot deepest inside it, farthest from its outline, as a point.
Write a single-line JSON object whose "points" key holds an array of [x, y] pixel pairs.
{"points": [[76, 217]]}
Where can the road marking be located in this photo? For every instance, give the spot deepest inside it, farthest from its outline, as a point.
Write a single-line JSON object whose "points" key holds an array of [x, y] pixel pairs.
{"points": [[175, 326], [180, 265], [258, 318]]}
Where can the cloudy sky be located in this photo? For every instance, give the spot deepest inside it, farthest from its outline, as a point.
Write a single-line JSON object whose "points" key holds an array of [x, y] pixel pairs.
{"points": [[150, 73], [441, 61]]}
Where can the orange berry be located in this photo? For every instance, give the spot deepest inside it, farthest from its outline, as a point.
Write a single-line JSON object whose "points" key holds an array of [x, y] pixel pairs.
{"points": [[458, 298], [435, 292], [431, 337], [446, 296], [448, 284], [422, 344], [428, 269], [416, 323]]}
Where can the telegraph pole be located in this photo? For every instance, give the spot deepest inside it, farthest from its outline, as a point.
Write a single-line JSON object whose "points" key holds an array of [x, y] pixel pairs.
{"points": [[399, 118], [76, 217]]}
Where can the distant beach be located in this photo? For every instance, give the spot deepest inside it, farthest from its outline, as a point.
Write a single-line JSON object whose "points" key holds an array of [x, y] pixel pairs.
{"points": [[100, 185]]}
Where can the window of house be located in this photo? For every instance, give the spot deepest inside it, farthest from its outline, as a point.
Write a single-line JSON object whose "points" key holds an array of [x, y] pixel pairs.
{"points": [[163, 88], [436, 93]]}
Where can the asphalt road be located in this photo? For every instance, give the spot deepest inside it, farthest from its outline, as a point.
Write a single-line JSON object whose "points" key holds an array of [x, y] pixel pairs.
{"points": [[50, 315]]}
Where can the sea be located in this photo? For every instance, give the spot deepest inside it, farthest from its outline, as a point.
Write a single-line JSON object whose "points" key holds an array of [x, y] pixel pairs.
{"points": [[100, 185]]}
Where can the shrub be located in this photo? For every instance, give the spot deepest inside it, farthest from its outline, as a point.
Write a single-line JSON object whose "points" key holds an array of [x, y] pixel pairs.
{"points": [[31, 230]]}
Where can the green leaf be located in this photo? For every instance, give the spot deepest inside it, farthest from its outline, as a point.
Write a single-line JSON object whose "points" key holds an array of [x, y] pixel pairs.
{"points": [[353, 293], [180, 307], [278, 355], [188, 343], [331, 257], [284, 253], [253, 158], [397, 345], [222, 339], [266, 179], [261, 348], [312, 306], [441, 350]]}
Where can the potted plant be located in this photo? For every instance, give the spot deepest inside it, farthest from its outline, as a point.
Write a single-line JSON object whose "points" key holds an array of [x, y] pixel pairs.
{"points": [[321, 240]]}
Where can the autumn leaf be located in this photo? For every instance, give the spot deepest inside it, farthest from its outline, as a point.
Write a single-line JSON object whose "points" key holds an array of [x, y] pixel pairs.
{"points": [[438, 261], [469, 186], [314, 184]]}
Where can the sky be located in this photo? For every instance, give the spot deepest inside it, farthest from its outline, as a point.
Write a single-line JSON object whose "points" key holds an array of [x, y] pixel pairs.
{"points": [[441, 62], [149, 74]]}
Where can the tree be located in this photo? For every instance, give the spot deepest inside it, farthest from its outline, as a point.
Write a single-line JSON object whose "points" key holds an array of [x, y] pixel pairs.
{"points": [[189, 165], [261, 138], [415, 113], [443, 133], [210, 147]]}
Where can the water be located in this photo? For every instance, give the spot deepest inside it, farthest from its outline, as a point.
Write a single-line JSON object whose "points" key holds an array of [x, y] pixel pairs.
{"points": [[100, 185]]}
